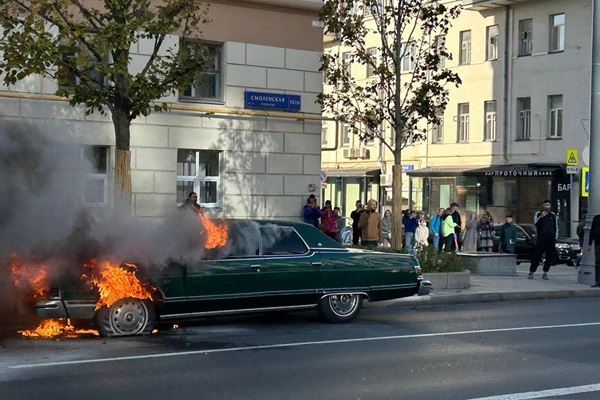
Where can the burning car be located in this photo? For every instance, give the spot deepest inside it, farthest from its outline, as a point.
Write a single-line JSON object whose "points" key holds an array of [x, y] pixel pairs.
{"points": [[261, 266]]}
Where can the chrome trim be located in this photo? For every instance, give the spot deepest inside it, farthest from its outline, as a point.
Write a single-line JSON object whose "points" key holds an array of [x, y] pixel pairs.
{"points": [[425, 288], [401, 286], [240, 311], [340, 293]]}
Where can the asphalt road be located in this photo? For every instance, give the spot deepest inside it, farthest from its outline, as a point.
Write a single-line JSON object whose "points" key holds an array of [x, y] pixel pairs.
{"points": [[530, 349]]}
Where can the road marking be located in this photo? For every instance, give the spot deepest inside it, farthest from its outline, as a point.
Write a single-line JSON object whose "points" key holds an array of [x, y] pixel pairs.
{"points": [[298, 344], [545, 393]]}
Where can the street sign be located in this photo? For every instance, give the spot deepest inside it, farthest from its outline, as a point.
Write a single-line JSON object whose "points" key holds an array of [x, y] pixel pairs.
{"points": [[585, 182], [572, 157], [571, 170]]}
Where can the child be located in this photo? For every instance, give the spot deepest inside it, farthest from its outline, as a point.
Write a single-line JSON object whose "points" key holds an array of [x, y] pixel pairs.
{"points": [[422, 234]]}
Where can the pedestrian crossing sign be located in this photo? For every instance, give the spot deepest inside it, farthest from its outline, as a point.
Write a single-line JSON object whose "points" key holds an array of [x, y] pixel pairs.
{"points": [[585, 182], [572, 157]]}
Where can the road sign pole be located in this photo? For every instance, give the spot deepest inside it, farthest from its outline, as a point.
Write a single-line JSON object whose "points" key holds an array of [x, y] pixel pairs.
{"points": [[587, 270]]}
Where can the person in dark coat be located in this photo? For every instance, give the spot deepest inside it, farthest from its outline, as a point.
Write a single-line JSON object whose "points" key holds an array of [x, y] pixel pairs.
{"points": [[546, 223], [355, 215], [311, 211], [508, 236], [595, 239]]}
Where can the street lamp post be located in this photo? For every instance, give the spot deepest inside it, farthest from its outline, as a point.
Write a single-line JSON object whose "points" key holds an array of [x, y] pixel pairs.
{"points": [[587, 271]]}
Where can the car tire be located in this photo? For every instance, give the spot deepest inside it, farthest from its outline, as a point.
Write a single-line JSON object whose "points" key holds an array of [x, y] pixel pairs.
{"points": [[126, 317], [340, 308]]}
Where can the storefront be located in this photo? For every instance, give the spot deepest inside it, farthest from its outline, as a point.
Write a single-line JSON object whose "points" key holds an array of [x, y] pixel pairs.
{"points": [[517, 189], [344, 186]]}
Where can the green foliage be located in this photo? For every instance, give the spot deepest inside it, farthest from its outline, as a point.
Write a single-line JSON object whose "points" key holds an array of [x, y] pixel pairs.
{"points": [[85, 46]]}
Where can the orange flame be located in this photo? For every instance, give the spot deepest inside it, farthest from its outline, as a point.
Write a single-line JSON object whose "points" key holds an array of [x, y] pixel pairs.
{"points": [[216, 234], [115, 283], [52, 328], [29, 275]]}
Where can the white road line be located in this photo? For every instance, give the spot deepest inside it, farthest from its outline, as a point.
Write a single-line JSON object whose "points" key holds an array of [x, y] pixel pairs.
{"points": [[297, 344], [545, 393]]}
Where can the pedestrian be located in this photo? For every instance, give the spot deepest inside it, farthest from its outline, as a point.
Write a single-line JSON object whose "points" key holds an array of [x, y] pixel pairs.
{"points": [[470, 235], [192, 203], [485, 228], [355, 216], [448, 232], [311, 211], [339, 224], [457, 220], [409, 223], [508, 236], [386, 229], [581, 235], [546, 223], [421, 235], [595, 239], [328, 220], [370, 225], [435, 225]]}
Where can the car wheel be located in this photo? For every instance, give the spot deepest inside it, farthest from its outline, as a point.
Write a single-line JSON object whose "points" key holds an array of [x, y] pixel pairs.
{"points": [[126, 317], [338, 308]]}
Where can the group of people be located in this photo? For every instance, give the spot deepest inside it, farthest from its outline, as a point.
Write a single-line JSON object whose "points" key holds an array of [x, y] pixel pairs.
{"points": [[329, 220]]}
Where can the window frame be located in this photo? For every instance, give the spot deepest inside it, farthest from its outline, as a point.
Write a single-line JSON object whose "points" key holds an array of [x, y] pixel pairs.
{"points": [[463, 123], [218, 72], [555, 117], [98, 175], [373, 54], [407, 58], [525, 37], [490, 119], [557, 33], [437, 131], [345, 132], [465, 47], [439, 42], [199, 180], [523, 131], [491, 52], [324, 134]]}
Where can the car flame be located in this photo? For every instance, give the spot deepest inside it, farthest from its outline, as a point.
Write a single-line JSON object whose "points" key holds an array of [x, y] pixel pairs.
{"points": [[52, 328], [215, 233], [29, 275]]}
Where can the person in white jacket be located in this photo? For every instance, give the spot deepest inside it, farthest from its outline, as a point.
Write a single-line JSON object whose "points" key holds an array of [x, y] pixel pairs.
{"points": [[422, 234]]}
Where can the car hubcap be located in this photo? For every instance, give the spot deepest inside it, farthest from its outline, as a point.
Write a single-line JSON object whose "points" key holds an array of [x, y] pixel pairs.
{"points": [[343, 304], [128, 317]]}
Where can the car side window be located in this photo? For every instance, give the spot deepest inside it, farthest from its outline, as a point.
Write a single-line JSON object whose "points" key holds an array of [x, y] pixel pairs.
{"points": [[242, 240], [281, 241], [521, 234]]}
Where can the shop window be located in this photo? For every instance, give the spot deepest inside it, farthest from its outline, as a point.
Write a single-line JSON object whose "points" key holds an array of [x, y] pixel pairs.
{"points": [[198, 171]]}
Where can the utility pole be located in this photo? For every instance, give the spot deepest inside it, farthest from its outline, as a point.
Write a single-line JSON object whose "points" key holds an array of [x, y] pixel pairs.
{"points": [[587, 270]]}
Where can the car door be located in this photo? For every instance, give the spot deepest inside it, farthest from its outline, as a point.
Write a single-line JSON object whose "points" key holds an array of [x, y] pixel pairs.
{"points": [[294, 271]]}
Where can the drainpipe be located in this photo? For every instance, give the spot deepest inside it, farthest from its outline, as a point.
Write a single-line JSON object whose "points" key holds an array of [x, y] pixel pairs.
{"points": [[507, 80]]}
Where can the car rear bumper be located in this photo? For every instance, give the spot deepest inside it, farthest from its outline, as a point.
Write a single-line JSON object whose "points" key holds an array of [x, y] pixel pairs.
{"points": [[424, 288]]}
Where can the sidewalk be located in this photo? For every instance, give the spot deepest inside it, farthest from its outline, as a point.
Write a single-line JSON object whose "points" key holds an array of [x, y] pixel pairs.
{"points": [[562, 283]]}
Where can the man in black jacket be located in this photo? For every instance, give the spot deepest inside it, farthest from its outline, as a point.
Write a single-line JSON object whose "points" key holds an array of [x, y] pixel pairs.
{"points": [[595, 238], [546, 223]]}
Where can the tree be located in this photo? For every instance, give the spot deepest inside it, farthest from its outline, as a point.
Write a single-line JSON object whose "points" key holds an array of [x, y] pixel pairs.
{"points": [[85, 47], [406, 84]]}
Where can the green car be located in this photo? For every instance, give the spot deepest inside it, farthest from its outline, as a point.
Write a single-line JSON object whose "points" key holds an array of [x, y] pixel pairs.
{"points": [[264, 266]]}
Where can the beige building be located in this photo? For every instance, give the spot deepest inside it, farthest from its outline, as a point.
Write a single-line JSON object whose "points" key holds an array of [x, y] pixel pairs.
{"points": [[509, 128], [243, 156]]}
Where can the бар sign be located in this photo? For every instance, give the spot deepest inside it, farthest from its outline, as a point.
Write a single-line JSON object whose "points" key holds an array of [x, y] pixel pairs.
{"points": [[272, 101]]}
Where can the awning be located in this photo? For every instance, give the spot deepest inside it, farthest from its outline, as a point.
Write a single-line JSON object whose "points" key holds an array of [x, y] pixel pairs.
{"points": [[357, 171], [508, 170]]}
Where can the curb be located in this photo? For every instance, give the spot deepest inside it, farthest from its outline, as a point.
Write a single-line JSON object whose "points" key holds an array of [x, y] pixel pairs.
{"points": [[490, 297]]}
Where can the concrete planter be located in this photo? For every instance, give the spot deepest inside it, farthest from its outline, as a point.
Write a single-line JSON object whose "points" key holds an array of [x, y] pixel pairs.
{"points": [[449, 280], [482, 263]]}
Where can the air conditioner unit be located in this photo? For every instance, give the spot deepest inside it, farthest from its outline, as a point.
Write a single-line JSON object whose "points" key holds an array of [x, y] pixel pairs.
{"points": [[356, 152], [386, 180], [362, 153], [347, 153]]}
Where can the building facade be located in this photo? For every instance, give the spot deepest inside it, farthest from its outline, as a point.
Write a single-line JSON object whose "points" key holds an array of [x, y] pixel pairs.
{"points": [[508, 131], [244, 158]]}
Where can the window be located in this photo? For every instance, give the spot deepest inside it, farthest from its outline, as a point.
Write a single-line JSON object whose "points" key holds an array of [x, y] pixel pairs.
{"points": [[407, 62], [372, 7], [345, 135], [490, 121], [198, 171], [370, 136], [324, 135], [347, 60], [557, 33], [465, 47], [439, 43], [525, 37], [524, 118], [493, 33], [373, 56], [281, 241], [463, 122], [437, 132], [207, 84], [96, 180], [89, 75], [555, 104]]}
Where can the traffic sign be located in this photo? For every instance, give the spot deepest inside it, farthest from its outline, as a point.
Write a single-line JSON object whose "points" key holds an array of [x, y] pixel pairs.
{"points": [[572, 157], [585, 182], [571, 170]]}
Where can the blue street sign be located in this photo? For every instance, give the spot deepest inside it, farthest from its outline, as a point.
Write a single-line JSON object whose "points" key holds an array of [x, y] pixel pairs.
{"points": [[272, 101], [585, 182]]}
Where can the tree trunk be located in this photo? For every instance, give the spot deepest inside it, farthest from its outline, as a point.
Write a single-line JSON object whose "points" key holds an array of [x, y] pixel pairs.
{"points": [[122, 125], [397, 206]]}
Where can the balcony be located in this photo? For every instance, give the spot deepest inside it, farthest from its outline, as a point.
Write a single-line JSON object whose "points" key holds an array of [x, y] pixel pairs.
{"points": [[481, 5]]}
